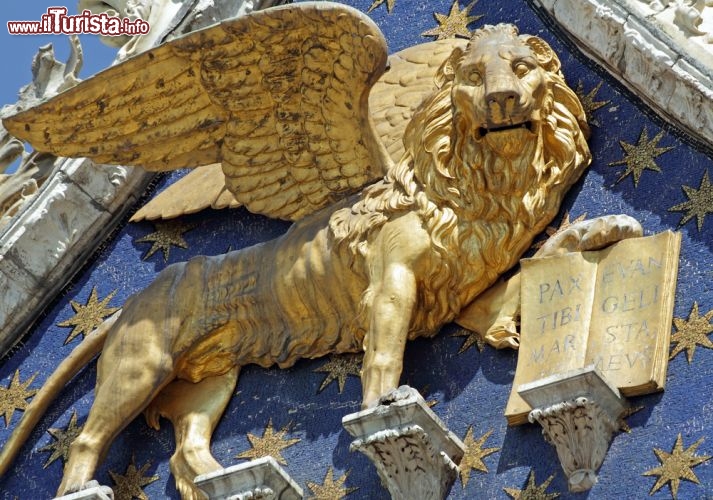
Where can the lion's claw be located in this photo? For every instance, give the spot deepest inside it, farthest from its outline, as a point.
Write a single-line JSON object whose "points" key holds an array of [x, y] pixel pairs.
{"points": [[592, 234], [610, 229]]}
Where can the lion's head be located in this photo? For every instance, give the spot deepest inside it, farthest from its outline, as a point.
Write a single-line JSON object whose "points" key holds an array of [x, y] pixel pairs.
{"points": [[488, 158], [501, 99]]}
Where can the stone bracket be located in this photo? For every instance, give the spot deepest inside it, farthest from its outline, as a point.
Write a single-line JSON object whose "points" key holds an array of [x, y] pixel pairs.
{"points": [[93, 491], [578, 411], [261, 478], [415, 455]]}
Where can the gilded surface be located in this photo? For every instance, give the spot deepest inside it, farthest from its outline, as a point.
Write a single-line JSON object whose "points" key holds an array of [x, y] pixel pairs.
{"points": [[533, 491], [489, 154], [331, 489], [692, 332], [676, 465], [474, 455], [699, 204], [15, 396], [62, 439], [88, 316]]}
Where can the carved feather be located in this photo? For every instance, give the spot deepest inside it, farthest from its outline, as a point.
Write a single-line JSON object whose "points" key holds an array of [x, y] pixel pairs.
{"points": [[199, 189], [280, 97], [392, 102]]}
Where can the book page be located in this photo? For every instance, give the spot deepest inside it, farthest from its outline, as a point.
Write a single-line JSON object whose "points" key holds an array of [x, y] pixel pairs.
{"points": [[557, 296], [631, 318], [610, 308]]}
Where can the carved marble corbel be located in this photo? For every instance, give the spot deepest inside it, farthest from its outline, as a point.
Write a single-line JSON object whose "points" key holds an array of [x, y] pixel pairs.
{"points": [[415, 455], [93, 491], [578, 411], [260, 478]]}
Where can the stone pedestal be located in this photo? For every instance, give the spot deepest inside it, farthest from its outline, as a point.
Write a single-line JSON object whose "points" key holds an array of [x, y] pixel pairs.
{"points": [[415, 455], [262, 478], [578, 411], [92, 492]]}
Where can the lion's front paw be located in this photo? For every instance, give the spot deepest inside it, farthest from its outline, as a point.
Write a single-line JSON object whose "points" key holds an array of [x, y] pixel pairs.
{"points": [[592, 234], [503, 334], [609, 229], [399, 394]]}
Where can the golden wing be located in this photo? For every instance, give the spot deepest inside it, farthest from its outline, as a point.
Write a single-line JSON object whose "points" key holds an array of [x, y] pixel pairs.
{"points": [[397, 94], [199, 189], [392, 102], [279, 96]]}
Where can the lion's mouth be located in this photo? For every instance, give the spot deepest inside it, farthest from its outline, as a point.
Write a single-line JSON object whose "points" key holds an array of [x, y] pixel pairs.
{"points": [[528, 125]]}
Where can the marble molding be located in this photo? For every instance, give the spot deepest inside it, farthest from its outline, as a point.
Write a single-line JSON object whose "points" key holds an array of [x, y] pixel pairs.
{"points": [[93, 491], [415, 455], [579, 412], [260, 478], [55, 233], [648, 49]]}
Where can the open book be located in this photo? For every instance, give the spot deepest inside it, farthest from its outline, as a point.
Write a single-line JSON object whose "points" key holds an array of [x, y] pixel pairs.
{"points": [[610, 308]]}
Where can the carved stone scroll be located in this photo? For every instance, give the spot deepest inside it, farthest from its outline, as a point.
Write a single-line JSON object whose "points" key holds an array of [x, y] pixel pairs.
{"points": [[578, 412], [662, 51], [261, 478], [415, 455]]}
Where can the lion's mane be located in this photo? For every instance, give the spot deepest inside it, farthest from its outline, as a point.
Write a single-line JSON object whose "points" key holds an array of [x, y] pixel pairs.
{"points": [[466, 198]]}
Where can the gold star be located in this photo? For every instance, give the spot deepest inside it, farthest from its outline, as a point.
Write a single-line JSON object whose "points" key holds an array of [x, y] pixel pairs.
{"points": [[692, 332], [166, 234], [551, 230], [131, 484], [389, 5], [471, 339], [425, 390], [641, 156], [88, 317], [330, 489], [454, 24], [14, 397], [338, 368], [474, 454], [699, 204], [676, 465], [532, 491], [588, 102], [623, 424], [62, 439], [270, 444]]}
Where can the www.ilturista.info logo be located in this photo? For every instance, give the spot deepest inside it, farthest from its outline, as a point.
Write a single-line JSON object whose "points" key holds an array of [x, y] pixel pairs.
{"points": [[56, 21]]}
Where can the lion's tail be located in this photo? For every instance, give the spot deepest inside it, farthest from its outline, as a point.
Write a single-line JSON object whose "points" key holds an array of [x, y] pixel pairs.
{"points": [[68, 368]]}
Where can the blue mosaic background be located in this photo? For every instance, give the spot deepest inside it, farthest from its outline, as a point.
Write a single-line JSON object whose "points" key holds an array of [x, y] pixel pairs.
{"points": [[471, 388]]}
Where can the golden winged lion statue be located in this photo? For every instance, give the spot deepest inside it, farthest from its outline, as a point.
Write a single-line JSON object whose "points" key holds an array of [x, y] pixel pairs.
{"points": [[487, 138]]}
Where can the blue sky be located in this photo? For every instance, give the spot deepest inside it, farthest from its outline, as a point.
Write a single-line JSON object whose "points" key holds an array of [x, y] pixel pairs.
{"points": [[17, 51]]}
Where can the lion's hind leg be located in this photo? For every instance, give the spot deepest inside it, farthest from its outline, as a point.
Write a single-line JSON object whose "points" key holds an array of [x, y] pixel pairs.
{"points": [[194, 410], [131, 371]]}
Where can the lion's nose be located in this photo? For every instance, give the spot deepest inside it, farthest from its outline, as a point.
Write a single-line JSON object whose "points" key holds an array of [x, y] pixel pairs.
{"points": [[501, 105]]}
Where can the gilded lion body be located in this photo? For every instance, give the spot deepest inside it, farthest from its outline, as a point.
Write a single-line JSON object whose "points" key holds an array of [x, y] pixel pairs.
{"points": [[272, 303], [277, 302], [489, 157]]}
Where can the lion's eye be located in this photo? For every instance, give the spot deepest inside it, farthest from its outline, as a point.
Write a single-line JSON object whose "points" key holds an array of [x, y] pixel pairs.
{"points": [[475, 78], [521, 69]]}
